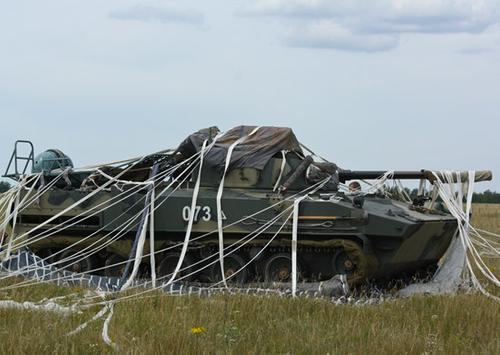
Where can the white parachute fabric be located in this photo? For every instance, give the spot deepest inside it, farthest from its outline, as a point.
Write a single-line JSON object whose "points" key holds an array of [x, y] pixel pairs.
{"points": [[294, 242], [45, 306], [458, 267], [219, 202], [282, 169], [192, 213], [152, 260]]}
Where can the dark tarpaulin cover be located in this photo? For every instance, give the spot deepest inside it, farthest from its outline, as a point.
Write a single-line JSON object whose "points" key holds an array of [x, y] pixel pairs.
{"points": [[254, 152]]}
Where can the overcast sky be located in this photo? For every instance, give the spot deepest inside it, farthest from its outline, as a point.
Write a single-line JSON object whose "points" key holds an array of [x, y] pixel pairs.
{"points": [[379, 84]]}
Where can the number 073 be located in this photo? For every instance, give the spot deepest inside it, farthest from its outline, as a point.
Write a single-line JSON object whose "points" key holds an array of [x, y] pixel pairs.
{"points": [[200, 212]]}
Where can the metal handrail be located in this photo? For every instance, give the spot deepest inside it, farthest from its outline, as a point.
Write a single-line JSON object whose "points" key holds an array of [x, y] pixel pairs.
{"points": [[15, 158]]}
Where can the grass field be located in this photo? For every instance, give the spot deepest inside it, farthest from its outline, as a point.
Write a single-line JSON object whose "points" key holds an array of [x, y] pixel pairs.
{"points": [[466, 323]]}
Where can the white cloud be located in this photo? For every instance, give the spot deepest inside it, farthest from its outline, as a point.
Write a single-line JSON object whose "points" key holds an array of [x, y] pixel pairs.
{"points": [[161, 14], [327, 34], [376, 23]]}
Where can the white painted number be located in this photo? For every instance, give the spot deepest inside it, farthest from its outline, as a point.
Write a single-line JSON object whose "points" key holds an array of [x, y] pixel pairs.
{"points": [[185, 213], [206, 213]]}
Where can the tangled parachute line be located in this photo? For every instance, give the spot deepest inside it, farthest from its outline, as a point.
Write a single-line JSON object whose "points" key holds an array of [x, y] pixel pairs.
{"points": [[465, 256], [462, 265]]}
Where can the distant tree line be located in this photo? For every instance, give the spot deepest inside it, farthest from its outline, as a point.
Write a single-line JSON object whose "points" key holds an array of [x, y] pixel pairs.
{"points": [[486, 197], [478, 197]]}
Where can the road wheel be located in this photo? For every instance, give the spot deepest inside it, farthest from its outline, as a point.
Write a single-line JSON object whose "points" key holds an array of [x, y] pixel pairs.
{"points": [[233, 264], [167, 265], [76, 264], [343, 263], [278, 268], [114, 265], [350, 260]]}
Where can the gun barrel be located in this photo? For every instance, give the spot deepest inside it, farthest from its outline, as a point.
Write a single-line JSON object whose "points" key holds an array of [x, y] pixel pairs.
{"points": [[346, 175]]}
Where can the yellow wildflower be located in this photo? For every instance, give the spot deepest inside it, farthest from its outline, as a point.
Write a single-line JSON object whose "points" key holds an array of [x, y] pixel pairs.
{"points": [[198, 330]]}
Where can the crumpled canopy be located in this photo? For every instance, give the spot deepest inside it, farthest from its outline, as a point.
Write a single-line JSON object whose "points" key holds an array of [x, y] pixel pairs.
{"points": [[254, 152]]}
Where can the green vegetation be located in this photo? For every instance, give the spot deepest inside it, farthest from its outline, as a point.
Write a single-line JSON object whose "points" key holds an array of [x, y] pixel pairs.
{"points": [[486, 197], [466, 323]]}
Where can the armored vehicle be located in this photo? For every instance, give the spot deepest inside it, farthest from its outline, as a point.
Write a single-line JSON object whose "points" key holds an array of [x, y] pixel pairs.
{"points": [[234, 191]]}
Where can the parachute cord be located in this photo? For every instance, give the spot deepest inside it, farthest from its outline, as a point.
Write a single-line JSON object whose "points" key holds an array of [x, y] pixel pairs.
{"points": [[219, 202], [152, 260], [191, 215], [294, 242], [295, 227], [141, 230], [137, 249], [282, 169]]}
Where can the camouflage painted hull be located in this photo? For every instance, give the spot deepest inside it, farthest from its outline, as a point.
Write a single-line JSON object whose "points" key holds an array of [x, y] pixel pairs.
{"points": [[383, 238], [261, 171]]}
